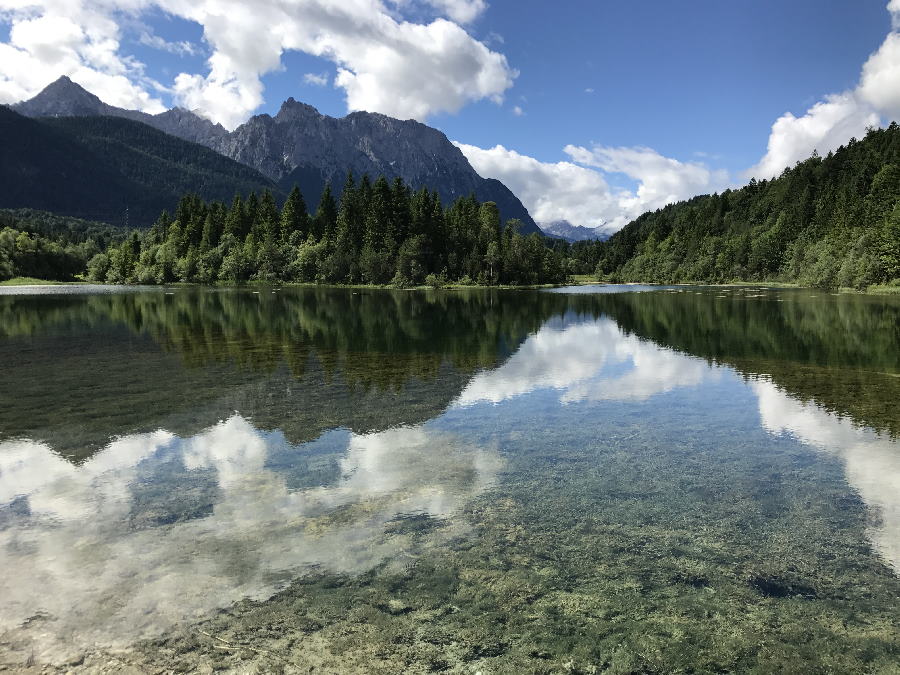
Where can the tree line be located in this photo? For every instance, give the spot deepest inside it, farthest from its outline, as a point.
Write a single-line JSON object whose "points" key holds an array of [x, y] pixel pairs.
{"points": [[374, 233], [827, 222], [47, 246]]}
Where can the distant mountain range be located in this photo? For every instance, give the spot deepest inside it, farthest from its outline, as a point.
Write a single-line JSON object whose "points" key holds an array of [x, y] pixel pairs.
{"points": [[572, 233], [300, 145]]}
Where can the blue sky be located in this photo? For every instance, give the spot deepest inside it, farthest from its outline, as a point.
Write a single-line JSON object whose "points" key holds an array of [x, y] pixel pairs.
{"points": [[589, 111]]}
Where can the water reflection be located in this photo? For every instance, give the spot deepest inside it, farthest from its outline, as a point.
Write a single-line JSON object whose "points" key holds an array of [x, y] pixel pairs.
{"points": [[588, 361], [594, 360], [156, 529], [871, 460], [165, 456]]}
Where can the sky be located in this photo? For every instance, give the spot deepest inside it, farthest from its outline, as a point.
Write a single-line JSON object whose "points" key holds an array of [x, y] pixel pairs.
{"points": [[590, 111]]}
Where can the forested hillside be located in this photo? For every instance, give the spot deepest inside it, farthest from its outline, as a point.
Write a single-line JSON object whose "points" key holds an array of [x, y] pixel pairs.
{"points": [[110, 169], [829, 222], [377, 233], [47, 246]]}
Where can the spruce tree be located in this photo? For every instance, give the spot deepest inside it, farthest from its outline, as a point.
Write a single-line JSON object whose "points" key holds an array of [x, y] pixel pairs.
{"points": [[294, 218]]}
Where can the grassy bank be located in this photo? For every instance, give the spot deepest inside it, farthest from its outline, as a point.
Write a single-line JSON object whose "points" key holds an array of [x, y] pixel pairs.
{"points": [[30, 281]]}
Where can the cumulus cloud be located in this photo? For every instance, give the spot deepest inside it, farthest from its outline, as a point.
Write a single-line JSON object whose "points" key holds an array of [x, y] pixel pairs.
{"points": [[661, 180], [48, 39], [385, 63], [517, 111], [832, 121], [566, 191], [879, 84], [550, 191], [824, 127]]}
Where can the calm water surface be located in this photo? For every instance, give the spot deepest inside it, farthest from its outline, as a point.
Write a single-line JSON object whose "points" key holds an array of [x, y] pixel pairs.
{"points": [[667, 480]]}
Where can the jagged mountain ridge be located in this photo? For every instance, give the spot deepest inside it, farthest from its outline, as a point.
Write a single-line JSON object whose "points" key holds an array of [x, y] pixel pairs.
{"points": [[572, 233], [301, 145]]}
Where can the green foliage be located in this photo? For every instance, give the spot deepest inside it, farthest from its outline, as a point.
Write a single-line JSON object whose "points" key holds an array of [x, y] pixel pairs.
{"points": [[45, 246], [376, 234], [827, 222]]}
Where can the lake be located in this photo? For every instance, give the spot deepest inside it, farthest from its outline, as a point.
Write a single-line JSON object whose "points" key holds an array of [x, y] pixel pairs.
{"points": [[618, 479]]}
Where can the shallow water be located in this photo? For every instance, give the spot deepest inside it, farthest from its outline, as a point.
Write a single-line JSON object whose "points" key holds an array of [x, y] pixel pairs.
{"points": [[676, 479]]}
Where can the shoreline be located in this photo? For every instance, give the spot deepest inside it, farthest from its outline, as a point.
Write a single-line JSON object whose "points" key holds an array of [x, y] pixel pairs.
{"points": [[576, 280]]}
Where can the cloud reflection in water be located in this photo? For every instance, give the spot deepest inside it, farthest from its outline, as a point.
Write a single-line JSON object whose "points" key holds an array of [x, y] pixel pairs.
{"points": [[871, 460], [75, 559], [592, 361]]}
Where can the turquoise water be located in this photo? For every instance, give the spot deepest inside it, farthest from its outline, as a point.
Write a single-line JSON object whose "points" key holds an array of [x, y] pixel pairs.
{"points": [[279, 479]]}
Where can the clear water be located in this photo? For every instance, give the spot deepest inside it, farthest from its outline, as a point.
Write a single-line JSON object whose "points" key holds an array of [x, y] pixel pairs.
{"points": [[279, 479]]}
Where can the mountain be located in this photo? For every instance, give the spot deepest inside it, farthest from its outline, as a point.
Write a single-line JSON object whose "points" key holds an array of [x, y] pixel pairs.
{"points": [[102, 167], [827, 222], [572, 233], [65, 98], [300, 145]]}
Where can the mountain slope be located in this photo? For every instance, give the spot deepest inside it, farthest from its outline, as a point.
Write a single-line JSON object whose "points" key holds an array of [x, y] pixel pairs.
{"points": [[99, 167], [64, 98], [161, 162], [300, 145], [43, 168], [827, 222]]}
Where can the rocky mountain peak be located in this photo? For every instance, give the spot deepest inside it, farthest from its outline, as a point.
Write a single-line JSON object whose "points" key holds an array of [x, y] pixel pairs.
{"points": [[301, 145], [292, 108], [63, 97]]}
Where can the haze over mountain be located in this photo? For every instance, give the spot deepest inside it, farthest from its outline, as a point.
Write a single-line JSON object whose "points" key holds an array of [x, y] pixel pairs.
{"points": [[572, 233], [300, 145]]}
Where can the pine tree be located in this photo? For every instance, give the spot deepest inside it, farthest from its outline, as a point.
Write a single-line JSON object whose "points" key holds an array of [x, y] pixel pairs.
{"points": [[236, 219], [267, 225], [326, 215], [294, 218]]}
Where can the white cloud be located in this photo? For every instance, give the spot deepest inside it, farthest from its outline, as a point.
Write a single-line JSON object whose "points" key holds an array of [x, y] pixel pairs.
{"points": [[317, 80], [565, 191], [880, 82], [385, 63], [461, 11], [550, 191], [824, 127], [517, 111], [894, 9], [180, 48], [834, 120], [57, 38], [661, 180]]}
